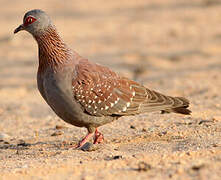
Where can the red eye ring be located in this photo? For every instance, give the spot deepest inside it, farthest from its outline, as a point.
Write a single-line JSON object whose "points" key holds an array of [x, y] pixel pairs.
{"points": [[29, 20]]}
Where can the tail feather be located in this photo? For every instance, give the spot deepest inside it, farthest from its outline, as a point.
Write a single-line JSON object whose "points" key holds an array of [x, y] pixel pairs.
{"points": [[181, 109], [166, 104]]}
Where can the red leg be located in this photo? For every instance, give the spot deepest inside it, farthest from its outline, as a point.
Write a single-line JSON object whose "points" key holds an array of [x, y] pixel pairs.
{"points": [[98, 138], [84, 140]]}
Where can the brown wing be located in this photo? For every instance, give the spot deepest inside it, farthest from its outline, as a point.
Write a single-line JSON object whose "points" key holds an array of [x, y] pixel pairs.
{"points": [[101, 92]]}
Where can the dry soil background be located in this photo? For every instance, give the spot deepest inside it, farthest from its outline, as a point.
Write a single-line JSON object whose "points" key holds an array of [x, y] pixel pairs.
{"points": [[173, 46]]}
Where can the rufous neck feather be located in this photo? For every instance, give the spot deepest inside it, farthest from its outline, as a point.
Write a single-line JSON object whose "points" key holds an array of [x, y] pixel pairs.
{"points": [[52, 50]]}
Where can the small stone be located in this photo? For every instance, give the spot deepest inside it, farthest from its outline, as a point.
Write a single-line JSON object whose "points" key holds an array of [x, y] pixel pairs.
{"points": [[23, 143], [132, 127], [162, 133], [57, 133], [142, 166], [215, 145], [59, 127], [205, 121], [117, 157], [197, 167], [144, 130], [113, 157], [189, 153], [89, 147]]}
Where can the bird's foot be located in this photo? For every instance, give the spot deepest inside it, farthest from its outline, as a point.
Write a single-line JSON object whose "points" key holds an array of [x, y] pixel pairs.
{"points": [[98, 137], [84, 140]]}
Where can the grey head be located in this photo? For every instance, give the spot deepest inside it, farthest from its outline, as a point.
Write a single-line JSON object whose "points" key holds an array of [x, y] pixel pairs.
{"points": [[35, 22]]}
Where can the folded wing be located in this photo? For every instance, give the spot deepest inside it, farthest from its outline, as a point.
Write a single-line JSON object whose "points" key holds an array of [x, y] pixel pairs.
{"points": [[101, 92]]}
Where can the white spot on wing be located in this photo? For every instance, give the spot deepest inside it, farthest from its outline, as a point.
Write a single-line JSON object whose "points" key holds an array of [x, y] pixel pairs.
{"points": [[115, 102], [124, 109]]}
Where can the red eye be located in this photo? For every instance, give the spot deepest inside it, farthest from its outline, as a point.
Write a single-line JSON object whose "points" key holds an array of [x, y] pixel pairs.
{"points": [[29, 20]]}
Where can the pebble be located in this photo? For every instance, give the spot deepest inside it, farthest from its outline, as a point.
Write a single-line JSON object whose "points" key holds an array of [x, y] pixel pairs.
{"points": [[89, 147], [144, 130], [57, 133], [197, 167], [132, 127], [23, 143], [113, 158], [162, 133], [142, 166], [59, 127]]}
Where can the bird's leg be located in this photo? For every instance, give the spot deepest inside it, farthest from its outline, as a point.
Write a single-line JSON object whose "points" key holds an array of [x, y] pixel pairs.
{"points": [[98, 137], [84, 140]]}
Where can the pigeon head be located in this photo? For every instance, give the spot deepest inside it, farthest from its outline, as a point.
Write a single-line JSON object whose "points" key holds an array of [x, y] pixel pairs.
{"points": [[35, 22]]}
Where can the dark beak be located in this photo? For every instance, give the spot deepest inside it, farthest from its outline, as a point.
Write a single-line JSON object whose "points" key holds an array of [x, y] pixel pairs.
{"points": [[19, 28]]}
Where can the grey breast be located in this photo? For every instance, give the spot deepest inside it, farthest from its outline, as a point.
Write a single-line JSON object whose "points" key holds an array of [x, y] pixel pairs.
{"points": [[58, 94]]}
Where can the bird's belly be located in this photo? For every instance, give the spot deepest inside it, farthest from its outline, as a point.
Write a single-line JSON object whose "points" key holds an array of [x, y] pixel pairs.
{"points": [[57, 92], [63, 107]]}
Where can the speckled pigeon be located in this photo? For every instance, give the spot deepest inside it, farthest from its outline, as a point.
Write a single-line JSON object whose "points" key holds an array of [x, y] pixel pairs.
{"points": [[83, 93]]}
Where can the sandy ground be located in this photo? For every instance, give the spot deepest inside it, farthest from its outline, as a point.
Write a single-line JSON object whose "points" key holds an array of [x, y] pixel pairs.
{"points": [[168, 45]]}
